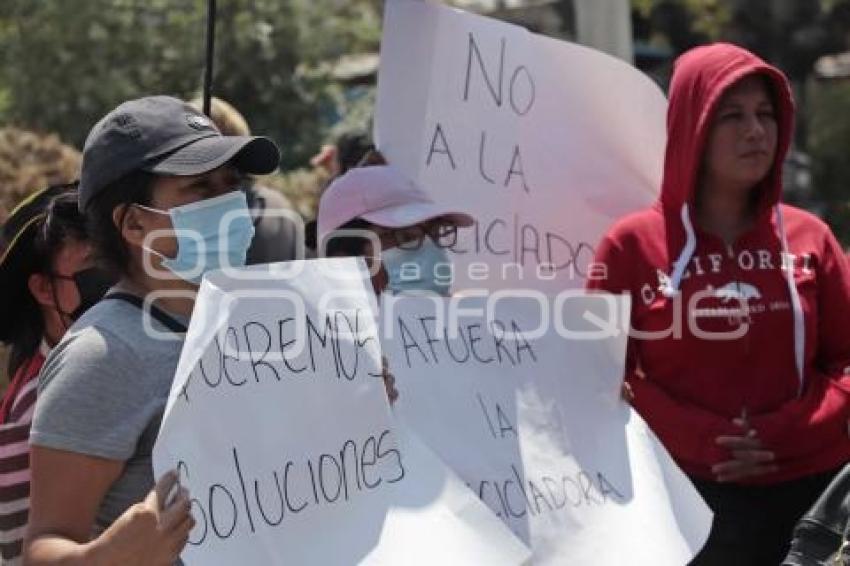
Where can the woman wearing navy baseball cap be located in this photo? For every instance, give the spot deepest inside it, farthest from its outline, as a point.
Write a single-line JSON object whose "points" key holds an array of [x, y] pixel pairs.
{"points": [[160, 191]]}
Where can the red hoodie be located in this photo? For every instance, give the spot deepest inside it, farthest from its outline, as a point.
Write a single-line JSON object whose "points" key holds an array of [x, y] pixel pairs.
{"points": [[786, 354]]}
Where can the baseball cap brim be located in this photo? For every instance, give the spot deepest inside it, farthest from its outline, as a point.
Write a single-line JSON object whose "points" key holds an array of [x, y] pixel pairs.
{"points": [[249, 154], [408, 214]]}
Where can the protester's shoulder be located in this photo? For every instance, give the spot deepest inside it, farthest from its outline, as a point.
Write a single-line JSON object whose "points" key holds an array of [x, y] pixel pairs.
{"points": [[93, 389], [114, 319], [807, 233], [796, 219], [637, 227], [87, 350], [273, 198], [105, 339]]}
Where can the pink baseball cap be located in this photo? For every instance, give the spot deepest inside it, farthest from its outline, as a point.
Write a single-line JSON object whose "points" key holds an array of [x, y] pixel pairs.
{"points": [[379, 194]]}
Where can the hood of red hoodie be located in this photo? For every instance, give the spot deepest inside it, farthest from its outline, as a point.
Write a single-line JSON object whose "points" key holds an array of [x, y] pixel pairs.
{"points": [[700, 78]]}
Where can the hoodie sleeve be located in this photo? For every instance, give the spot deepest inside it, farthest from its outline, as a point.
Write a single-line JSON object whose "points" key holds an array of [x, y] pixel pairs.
{"points": [[819, 418], [689, 432]]}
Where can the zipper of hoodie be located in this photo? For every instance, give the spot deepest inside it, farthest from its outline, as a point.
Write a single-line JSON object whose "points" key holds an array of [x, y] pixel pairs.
{"points": [[745, 317]]}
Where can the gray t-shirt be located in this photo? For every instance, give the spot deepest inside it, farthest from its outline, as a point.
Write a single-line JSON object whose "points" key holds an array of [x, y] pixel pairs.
{"points": [[102, 392]]}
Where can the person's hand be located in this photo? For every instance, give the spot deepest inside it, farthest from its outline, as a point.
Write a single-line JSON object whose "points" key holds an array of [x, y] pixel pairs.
{"points": [[154, 531], [749, 456], [389, 381]]}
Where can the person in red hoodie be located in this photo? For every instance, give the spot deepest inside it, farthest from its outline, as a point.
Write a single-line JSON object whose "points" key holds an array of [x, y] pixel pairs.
{"points": [[739, 354]]}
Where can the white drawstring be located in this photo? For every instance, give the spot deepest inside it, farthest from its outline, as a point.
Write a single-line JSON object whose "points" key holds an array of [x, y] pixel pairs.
{"points": [[796, 307], [672, 288]]}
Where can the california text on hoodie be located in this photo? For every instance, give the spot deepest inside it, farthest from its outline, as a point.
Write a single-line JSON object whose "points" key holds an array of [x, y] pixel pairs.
{"points": [[733, 333]]}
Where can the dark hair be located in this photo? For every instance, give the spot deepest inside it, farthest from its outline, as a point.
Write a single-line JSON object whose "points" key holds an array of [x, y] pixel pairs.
{"points": [[351, 147], [348, 245], [109, 246], [62, 221]]}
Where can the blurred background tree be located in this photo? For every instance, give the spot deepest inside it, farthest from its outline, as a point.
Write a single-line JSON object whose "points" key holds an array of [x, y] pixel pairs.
{"points": [[303, 71], [65, 64], [829, 147]]}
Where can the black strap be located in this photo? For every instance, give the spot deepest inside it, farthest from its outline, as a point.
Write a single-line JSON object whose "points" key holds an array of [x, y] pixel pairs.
{"points": [[208, 68], [166, 320]]}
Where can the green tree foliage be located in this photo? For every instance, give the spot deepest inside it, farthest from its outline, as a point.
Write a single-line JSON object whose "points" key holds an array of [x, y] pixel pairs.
{"points": [[829, 144], [65, 63], [791, 33]]}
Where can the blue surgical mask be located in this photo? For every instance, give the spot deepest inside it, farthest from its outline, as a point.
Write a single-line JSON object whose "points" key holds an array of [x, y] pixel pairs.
{"points": [[211, 234], [427, 268]]}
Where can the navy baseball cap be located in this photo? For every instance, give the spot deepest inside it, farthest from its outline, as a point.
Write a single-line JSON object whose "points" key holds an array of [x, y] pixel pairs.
{"points": [[165, 136]]}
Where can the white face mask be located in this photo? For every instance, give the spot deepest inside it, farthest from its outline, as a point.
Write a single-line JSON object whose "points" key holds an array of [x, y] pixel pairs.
{"points": [[211, 234]]}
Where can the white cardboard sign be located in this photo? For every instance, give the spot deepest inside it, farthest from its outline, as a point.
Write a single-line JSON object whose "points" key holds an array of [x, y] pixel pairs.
{"points": [[545, 142], [279, 424], [527, 411]]}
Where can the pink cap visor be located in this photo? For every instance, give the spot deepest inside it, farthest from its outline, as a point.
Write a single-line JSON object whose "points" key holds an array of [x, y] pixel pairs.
{"points": [[379, 194]]}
